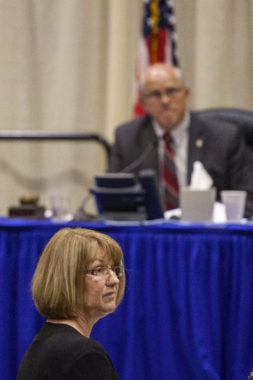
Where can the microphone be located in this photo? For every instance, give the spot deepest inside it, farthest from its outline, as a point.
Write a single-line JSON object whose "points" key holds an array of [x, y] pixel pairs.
{"points": [[133, 165], [81, 214]]}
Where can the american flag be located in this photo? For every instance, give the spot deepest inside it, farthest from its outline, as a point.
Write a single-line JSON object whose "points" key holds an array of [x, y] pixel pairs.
{"points": [[158, 42]]}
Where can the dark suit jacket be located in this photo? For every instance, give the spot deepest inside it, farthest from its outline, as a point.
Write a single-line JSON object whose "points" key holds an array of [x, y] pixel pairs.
{"points": [[218, 145]]}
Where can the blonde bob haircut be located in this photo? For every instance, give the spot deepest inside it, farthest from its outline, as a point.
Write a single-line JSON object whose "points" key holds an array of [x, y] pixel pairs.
{"points": [[58, 284]]}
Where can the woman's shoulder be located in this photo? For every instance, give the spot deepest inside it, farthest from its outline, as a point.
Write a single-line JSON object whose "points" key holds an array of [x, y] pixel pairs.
{"points": [[65, 337]]}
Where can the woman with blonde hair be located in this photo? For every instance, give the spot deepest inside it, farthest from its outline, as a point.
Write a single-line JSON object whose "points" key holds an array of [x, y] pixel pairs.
{"points": [[78, 280]]}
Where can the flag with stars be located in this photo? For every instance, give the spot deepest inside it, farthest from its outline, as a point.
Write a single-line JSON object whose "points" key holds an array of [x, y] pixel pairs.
{"points": [[158, 42]]}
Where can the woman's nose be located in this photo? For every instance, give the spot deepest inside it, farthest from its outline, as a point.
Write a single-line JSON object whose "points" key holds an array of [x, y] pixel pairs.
{"points": [[112, 277]]}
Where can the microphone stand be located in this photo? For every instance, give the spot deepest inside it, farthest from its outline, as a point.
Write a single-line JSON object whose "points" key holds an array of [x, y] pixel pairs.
{"points": [[80, 213], [133, 165]]}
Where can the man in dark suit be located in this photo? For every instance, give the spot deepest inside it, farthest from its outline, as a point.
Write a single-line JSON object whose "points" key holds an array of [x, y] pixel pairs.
{"points": [[219, 146]]}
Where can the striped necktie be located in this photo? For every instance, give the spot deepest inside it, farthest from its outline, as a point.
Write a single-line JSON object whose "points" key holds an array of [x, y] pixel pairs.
{"points": [[169, 176]]}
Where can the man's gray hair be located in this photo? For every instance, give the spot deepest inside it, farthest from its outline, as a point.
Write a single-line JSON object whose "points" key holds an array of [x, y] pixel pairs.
{"points": [[176, 70]]}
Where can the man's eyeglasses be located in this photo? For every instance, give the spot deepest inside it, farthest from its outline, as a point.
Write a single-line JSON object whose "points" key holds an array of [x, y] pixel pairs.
{"points": [[103, 272], [170, 92]]}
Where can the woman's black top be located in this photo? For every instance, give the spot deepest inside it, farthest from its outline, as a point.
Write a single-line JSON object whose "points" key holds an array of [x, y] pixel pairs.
{"points": [[61, 352]]}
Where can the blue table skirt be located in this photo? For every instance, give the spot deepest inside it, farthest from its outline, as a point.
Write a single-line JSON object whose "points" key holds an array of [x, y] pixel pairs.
{"points": [[188, 307]]}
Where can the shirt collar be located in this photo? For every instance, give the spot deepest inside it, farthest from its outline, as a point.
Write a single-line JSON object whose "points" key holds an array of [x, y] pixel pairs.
{"points": [[178, 132]]}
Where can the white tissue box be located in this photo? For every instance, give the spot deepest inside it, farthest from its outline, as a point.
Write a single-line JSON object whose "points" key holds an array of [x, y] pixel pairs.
{"points": [[197, 205]]}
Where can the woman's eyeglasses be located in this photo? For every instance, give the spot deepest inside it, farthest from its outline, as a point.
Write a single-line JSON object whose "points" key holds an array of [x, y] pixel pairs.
{"points": [[103, 272]]}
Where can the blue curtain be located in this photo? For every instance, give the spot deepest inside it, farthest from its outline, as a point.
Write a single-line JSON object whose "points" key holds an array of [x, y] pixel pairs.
{"points": [[187, 311]]}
